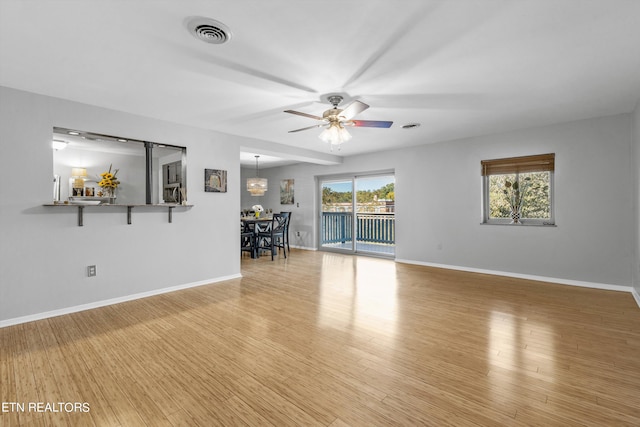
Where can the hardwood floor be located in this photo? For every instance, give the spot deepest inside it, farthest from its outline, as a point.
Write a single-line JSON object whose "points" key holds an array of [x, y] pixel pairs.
{"points": [[324, 339]]}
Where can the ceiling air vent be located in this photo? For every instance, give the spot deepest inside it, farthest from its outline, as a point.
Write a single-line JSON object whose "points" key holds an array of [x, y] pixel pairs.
{"points": [[410, 125], [209, 30]]}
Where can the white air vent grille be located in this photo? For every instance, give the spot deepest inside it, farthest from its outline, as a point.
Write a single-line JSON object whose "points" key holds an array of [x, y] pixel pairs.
{"points": [[410, 125], [209, 30]]}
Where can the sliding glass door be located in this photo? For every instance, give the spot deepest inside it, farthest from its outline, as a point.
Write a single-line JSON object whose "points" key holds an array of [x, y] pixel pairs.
{"points": [[358, 221], [336, 228], [375, 219]]}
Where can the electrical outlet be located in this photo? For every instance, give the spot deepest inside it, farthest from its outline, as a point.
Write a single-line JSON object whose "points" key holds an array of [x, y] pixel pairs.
{"points": [[297, 234], [91, 270]]}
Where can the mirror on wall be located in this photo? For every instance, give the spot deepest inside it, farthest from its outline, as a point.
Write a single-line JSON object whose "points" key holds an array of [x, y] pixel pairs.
{"points": [[99, 169]]}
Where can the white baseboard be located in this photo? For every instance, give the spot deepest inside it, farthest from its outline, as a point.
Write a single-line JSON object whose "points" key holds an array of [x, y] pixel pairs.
{"points": [[636, 296], [97, 304], [579, 283], [103, 303], [304, 248]]}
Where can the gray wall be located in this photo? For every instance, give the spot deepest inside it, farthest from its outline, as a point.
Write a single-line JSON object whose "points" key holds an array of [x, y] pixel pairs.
{"points": [[44, 254], [438, 202], [636, 197]]}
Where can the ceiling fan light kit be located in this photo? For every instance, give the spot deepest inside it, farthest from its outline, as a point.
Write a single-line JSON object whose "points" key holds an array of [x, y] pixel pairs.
{"points": [[334, 120], [335, 134]]}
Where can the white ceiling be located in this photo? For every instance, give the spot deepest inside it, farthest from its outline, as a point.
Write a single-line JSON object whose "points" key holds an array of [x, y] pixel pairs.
{"points": [[460, 68]]}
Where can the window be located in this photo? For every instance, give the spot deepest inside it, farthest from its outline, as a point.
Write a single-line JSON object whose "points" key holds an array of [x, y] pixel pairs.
{"points": [[518, 190]]}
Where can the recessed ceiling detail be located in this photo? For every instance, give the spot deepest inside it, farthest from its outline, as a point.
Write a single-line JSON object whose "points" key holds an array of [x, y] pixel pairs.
{"points": [[209, 30]]}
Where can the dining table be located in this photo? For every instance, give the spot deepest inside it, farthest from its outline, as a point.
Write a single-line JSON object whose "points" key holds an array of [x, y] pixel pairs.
{"points": [[249, 223], [252, 219]]}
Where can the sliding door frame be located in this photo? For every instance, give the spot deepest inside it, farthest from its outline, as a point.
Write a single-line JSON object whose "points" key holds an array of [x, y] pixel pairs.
{"points": [[352, 177]]}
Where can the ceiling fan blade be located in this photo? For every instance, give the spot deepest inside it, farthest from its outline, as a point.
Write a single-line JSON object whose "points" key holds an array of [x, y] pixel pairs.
{"points": [[352, 109], [308, 127], [369, 123], [311, 116]]}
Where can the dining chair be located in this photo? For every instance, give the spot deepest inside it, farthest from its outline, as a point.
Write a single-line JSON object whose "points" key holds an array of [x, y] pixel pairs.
{"points": [[286, 234], [272, 237], [247, 240]]}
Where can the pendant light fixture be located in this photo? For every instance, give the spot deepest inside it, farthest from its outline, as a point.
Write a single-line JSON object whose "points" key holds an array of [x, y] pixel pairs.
{"points": [[257, 186]]}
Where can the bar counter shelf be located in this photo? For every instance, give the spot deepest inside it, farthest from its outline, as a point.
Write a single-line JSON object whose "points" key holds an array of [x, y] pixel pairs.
{"points": [[97, 204]]}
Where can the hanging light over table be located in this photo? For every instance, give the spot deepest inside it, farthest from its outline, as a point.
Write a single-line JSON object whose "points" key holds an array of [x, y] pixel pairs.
{"points": [[257, 186]]}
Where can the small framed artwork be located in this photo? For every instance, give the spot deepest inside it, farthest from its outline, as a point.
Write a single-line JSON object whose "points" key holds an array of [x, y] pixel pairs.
{"points": [[78, 192], [89, 191], [215, 181], [286, 192]]}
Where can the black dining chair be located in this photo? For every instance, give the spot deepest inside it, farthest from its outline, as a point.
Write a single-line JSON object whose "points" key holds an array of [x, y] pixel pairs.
{"points": [[286, 234], [271, 235], [247, 240]]}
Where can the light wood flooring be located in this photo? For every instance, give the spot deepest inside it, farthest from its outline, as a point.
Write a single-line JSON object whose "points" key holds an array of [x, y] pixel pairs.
{"points": [[322, 339]]}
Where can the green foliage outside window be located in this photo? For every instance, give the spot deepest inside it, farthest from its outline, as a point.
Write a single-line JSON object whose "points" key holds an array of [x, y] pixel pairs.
{"points": [[331, 197], [536, 199]]}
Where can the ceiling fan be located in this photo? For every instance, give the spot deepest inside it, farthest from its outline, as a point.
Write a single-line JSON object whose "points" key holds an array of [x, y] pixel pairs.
{"points": [[335, 119]]}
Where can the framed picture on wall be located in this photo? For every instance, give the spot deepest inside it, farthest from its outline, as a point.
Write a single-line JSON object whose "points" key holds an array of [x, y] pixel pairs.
{"points": [[286, 192], [215, 181]]}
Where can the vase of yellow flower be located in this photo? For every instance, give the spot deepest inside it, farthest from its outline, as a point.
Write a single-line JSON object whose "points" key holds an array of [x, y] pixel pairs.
{"points": [[108, 184], [257, 209]]}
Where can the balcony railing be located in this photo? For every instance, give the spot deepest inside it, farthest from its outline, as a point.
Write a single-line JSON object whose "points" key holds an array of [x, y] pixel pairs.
{"points": [[337, 227]]}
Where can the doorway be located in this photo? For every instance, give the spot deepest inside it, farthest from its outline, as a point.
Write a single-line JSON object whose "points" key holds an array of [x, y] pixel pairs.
{"points": [[357, 214]]}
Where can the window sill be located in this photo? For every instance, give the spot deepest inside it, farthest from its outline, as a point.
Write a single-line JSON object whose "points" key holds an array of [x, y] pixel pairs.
{"points": [[524, 224]]}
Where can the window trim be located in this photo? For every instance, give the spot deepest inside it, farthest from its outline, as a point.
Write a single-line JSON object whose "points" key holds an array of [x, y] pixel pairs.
{"points": [[511, 165]]}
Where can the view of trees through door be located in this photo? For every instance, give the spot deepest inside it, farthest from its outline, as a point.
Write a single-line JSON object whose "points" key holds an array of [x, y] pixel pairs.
{"points": [[372, 228]]}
